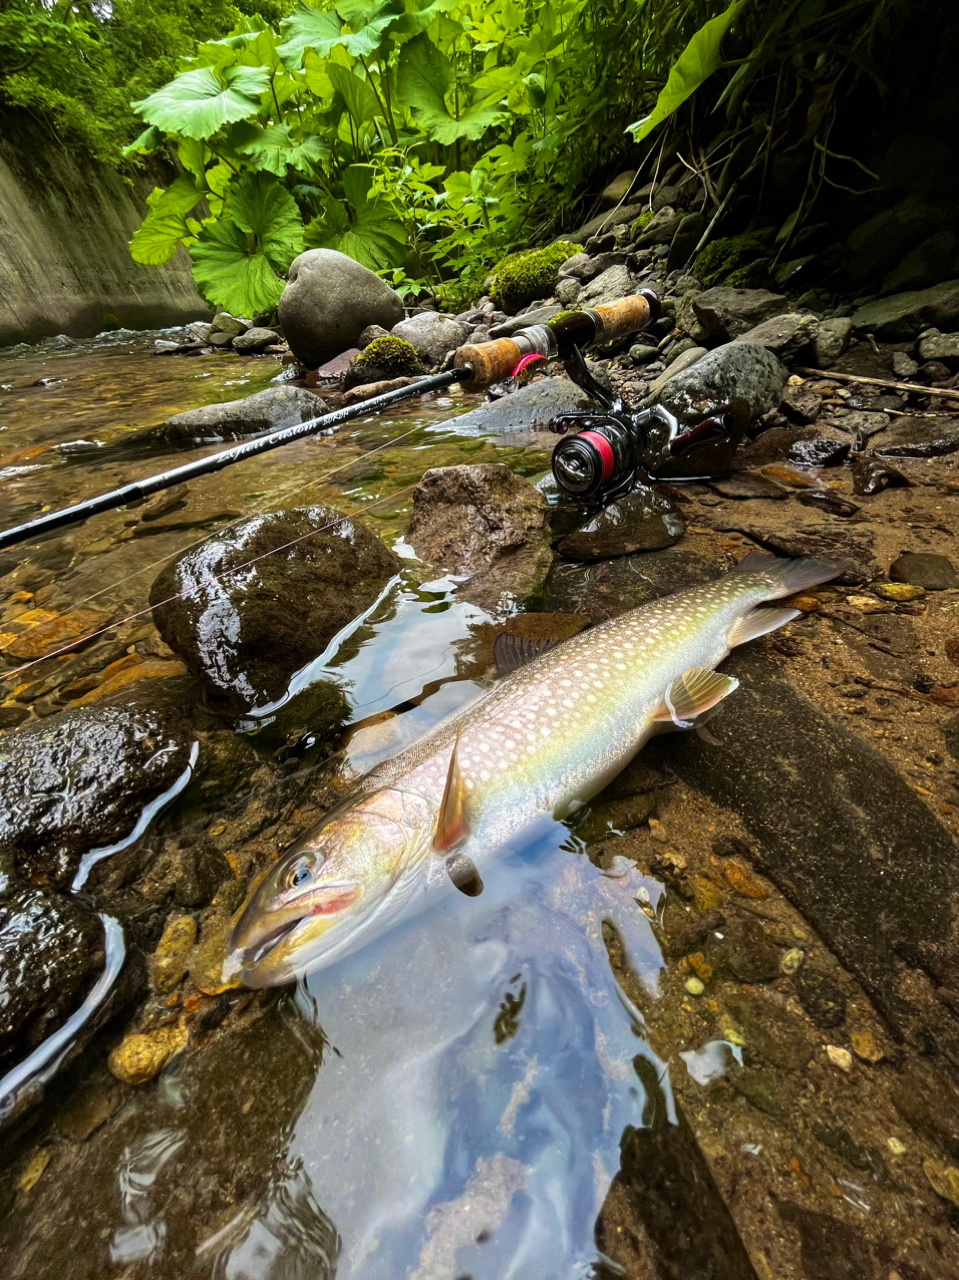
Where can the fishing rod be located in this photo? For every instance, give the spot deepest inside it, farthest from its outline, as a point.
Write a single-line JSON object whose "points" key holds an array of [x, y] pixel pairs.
{"points": [[475, 367]]}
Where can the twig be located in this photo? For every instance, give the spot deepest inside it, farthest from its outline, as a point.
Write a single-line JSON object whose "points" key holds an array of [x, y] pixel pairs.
{"points": [[878, 382]]}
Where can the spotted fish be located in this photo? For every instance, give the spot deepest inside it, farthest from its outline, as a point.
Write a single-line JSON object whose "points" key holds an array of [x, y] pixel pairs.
{"points": [[543, 740]]}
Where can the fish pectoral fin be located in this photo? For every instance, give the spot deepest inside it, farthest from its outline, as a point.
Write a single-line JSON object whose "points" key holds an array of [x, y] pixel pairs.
{"points": [[693, 693], [759, 622], [512, 652], [462, 871], [452, 825]]}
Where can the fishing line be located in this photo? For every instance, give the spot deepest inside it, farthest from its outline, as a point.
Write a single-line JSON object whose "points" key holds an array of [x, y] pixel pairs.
{"points": [[93, 635]]}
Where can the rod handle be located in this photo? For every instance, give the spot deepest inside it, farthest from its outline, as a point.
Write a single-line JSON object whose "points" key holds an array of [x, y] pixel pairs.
{"points": [[489, 362], [628, 315]]}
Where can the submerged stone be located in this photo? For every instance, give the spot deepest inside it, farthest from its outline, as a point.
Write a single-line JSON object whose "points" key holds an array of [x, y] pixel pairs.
{"points": [[80, 780], [925, 569], [641, 520], [246, 634], [920, 438], [269, 410]]}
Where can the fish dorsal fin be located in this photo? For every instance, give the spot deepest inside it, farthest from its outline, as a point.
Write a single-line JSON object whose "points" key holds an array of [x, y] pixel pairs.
{"points": [[462, 871], [695, 691], [452, 825], [759, 623], [512, 652]]}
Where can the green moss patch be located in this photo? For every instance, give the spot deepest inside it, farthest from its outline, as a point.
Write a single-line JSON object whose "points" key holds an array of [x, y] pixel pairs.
{"points": [[641, 223], [521, 278], [733, 253], [396, 357]]}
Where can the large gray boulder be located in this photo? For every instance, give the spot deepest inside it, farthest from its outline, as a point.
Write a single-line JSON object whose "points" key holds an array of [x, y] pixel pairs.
{"points": [[904, 315], [245, 635], [735, 371], [328, 301], [80, 780], [432, 334], [269, 410], [729, 313]]}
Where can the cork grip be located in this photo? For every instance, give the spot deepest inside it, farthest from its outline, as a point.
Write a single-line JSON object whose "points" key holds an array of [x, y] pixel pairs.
{"points": [[489, 362], [627, 315]]}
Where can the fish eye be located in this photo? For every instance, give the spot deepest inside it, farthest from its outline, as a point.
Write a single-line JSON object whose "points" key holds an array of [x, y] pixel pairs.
{"points": [[302, 871]]}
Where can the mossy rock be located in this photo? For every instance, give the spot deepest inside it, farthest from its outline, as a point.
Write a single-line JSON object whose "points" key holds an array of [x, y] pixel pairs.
{"points": [[755, 275], [641, 223], [731, 254], [521, 278], [383, 359]]}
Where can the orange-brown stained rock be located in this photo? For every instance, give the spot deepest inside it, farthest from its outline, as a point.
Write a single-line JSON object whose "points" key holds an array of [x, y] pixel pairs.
{"points": [[124, 672], [743, 880], [39, 632]]}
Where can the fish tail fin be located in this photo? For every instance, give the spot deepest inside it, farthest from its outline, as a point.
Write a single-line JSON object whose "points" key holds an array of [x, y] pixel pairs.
{"points": [[784, 576]]}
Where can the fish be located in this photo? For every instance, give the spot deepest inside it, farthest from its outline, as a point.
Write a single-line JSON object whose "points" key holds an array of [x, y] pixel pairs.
{"points": [[542, 741]]}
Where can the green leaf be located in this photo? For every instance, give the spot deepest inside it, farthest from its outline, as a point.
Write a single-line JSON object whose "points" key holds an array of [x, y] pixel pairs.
{"points": [[198, 103], [361, 101], [373, 235], [317, 74], [272, 148], [193, 155], [695, 64], [308, 28], [238, 262], [146, 143], [228, 275], [165, 226], [425, 76]]}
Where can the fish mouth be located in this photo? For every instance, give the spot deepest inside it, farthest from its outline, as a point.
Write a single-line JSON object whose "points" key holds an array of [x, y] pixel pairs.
{"points": [[253, 945]]}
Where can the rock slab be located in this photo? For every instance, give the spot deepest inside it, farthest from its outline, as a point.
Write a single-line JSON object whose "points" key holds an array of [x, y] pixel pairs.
{"points": [[269, 410], [328, 301], [80, 780], [244, 636], [642, 520]]}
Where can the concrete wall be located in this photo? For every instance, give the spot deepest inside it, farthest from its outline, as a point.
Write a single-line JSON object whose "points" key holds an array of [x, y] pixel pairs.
{"points": [[65, 227]]}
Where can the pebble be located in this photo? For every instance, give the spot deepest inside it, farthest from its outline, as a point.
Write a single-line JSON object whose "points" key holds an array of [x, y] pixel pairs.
{"points": [[743, 880], [865, 604], [141, 1056], [658, 831], [172, 955], [700, 966], [792, 476], [706, 894], [839, 1057], [943, 1178], [864, 1046], [899, 591], [896, 1147], [34, 1170], [695, 986], [792, 960], [925, 569]]}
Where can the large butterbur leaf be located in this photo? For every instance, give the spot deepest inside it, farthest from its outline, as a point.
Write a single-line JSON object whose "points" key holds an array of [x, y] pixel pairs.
{"points": [[361, 101], [165, 226], [198, 103], [239, 262], [424, 78], [274, 150], [366, 229], [696, 63], [308, 28]]}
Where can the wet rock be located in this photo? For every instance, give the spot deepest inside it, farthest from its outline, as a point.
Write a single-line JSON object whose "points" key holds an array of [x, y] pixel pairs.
{"points": [[874, 872], [245, 636], [39, 632], [784, 335], [831, 340], [432, 335], [269, 410], [872, 475], [821, 998], [747, 484], [328, 301], [939, 347], [482, 520], [170, 960], [736, 371], [81, 779], [642, 354], [819, 453], [943, 1178], [51, 954], [531, 407], [219, 339], [920, 438], [728, 313], [370, 334], [356, 395], [642, 520], [904, 315], [229, 325], [255, 340], [800, 405], [606, 590], [613, 283], [140, 1057], [828, 501], [861, 424], [925, 569], [684, 360]]}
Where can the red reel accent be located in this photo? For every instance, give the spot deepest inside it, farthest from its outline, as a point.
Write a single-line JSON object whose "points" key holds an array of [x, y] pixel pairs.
{"points": [[605, 451]]}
